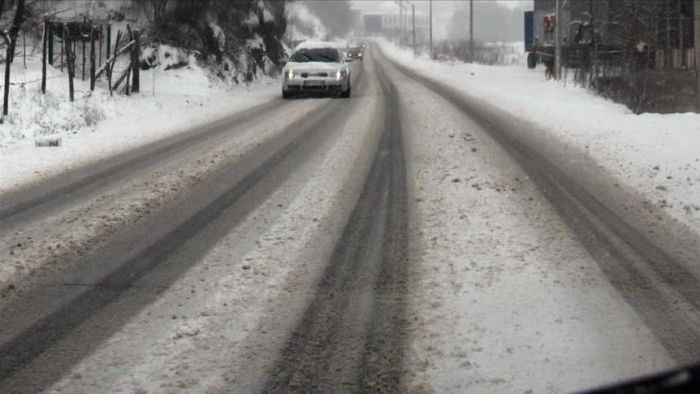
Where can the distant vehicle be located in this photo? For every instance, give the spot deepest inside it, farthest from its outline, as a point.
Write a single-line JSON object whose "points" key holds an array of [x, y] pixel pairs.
{"points": [[353, 53], [581, 37], [316, 68], [539, 51]]}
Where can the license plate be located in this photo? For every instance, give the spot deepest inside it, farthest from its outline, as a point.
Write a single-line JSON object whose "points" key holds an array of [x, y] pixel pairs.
{"points": [[314, 83]]}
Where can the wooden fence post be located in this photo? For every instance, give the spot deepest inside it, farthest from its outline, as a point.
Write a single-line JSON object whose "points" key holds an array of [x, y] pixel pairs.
{"points": [[128, 77], [44, 39], [101, 38], [92, 58], [24, 49], [82, 41], [109, 40], [63, 34], [70, 58], [135, 55], [110, 70], [49, 29], [131, 61]]}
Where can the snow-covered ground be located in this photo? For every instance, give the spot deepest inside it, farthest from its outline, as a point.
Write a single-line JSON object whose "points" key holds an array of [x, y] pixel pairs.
{"points": [[303, 25], [504, 299], [220, 325], [96, 125], [83, 225], [656, 155]]}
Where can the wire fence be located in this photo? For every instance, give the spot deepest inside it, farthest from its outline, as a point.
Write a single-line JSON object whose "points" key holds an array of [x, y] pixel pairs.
{"points": [[80, 49], [22, 83]]}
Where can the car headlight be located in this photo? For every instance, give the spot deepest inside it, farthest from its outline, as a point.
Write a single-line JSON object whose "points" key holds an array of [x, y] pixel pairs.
{"points": [[339, 74], [290, 74]]}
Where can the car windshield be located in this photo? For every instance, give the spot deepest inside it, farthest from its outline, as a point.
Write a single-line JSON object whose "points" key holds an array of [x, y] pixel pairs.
{"points": [[349, 195], [325, 55]]}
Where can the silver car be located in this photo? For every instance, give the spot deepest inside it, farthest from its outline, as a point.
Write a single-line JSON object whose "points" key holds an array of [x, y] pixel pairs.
{"points": [[316, 68]]}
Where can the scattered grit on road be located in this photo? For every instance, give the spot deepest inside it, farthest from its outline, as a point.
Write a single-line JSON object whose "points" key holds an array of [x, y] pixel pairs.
{"points": [[350, 337], [503, 297], [310, 245]]}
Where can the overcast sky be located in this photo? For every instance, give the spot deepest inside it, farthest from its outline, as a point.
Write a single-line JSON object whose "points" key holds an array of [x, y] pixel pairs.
{"points": [[443, 10]]}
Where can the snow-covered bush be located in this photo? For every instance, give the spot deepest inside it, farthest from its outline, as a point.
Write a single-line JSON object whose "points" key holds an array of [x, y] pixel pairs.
{"points": [[484, 52], [93, 115], [35, 115]]}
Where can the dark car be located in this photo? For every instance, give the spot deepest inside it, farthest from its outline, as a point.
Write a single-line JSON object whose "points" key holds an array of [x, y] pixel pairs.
{"points": [[354, 53]]}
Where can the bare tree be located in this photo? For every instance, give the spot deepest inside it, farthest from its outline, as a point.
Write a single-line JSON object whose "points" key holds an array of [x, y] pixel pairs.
{"points": [[615, 50], [155, 9], [10, 38], [637, 32]]}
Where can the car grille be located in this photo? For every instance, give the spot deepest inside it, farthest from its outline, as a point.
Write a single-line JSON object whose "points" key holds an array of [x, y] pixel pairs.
{"points": [[306, 75]]}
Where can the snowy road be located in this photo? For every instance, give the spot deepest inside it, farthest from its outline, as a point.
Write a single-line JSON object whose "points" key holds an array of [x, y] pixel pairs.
{"points": [[531, 269], [411, 237]]}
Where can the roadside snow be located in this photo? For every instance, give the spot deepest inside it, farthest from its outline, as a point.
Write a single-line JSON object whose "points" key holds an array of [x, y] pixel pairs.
{"points": [[303, 25], [504, 299], [657, 155], [96, 125]]}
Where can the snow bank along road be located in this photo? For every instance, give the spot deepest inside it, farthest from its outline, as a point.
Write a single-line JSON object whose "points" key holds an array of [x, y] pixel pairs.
{"points": [[411, 238]]}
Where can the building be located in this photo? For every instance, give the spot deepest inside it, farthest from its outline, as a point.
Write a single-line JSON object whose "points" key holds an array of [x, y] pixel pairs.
{"points": [[661, 36], [392, 26], [672, 41], [373, 25], [388, 25], [356, 25]]}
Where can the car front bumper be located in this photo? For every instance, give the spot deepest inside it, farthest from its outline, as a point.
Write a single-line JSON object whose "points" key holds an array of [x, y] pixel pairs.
{"points": [[315, 85]]}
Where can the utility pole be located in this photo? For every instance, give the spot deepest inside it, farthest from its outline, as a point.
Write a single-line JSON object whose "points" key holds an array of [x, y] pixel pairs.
{"points": [[400, 23], [431, 29], [44, 39], [413, 17], [697, 53], [471, 30], [557, 41], [404, 24]]}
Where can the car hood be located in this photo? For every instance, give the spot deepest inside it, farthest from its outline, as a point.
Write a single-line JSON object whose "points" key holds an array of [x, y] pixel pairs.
{"points": [[314, 67]]}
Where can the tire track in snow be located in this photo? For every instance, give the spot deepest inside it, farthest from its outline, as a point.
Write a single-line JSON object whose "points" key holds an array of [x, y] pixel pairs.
{"points": [[48, 314], [654, 281], [350, 337], [19, 206]]}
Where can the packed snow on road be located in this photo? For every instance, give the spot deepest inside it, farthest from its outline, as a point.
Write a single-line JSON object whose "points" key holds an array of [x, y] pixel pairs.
{"points": [[417, 207]]}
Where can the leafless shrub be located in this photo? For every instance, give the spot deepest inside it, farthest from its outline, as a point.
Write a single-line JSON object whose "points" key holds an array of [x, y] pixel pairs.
{"points": [[621, 59], [484, 53]]}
